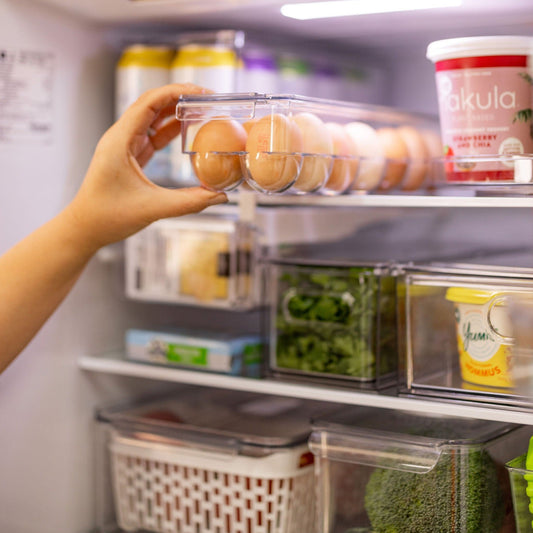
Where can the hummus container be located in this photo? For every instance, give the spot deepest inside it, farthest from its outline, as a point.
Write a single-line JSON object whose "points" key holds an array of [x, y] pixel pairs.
{"points": [[484, 350], [458, 332], [484, 88]]}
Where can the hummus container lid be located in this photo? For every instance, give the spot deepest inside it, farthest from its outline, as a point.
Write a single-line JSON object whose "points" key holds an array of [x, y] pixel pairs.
{"points": [[466, 295], [499, 45]]}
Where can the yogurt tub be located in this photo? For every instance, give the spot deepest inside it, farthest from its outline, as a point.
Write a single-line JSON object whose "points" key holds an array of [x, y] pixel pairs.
{"points": [[481, 323], [485, 100]]}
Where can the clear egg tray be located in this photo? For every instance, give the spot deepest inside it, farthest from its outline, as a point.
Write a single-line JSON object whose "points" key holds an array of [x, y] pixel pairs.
{"points": [[290, 144], [298, 145]]}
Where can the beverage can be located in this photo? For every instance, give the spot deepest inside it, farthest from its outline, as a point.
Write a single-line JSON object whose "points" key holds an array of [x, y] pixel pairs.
{"points": [[213, 67], [141, 68]]}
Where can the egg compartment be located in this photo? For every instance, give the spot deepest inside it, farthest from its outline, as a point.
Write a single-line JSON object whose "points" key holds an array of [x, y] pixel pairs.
{"points": [[485, 174], [301, 145], [457, 333], [198, 260], [332, 323]]}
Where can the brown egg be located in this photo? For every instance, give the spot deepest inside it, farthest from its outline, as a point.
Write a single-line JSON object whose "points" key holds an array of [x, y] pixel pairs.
{"points": [[344, 168], [317, 141], [372, 154], [273, 147], [248, 125], [418, 158], [214, 160], [433, 143], [396, 154]]}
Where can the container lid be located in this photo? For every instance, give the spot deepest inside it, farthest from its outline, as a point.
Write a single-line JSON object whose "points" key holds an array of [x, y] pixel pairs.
{"points": [[398, 439], [142, 55], [466, 295], [220, 419], [194, 55], [295, 65], [499, 45], [258, 60]]}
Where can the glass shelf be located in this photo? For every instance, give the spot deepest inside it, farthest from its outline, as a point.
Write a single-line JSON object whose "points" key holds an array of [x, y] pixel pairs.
{"points": [[444, 198], [116, 364]]}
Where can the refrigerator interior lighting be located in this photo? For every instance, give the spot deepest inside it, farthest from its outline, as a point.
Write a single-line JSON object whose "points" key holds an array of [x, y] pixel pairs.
{"points": [[348, 8]]}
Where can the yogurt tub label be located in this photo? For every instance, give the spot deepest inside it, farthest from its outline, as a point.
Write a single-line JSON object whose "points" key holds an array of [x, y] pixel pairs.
{"points": [[485, 109], [482, 358]]}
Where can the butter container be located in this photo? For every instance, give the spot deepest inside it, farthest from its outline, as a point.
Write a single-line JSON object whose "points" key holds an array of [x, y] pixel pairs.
{"points": [[198, 350], [199, 260], [456, 332], [303, 145]]}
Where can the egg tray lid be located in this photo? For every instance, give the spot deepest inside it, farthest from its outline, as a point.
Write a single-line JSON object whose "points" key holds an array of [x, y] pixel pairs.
{"points": [[230, 421], [246, 106]]}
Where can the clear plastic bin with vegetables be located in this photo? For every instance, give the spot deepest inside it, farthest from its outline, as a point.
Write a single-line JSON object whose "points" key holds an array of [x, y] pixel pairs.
{"points": [[302, 145], [383, 470], [333, 321]]}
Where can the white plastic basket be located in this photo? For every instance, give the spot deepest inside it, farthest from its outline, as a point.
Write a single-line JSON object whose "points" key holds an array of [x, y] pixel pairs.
{"points": [[172, 489]]}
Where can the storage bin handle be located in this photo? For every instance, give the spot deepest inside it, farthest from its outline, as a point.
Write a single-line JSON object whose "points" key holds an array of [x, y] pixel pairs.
{"points": [[234, 106], [487, 317], [375, 450]]}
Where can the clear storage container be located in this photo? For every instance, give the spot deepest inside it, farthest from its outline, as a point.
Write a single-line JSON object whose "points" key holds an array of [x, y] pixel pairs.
{"points": [[278, 143], [202, 260], [521, 479], [457, 336], [333, 321], [504, 174], [212, 461], [382, 470]]}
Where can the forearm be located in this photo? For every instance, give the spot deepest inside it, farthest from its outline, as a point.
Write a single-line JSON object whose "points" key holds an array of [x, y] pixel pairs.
{"points": [[35, 276]]}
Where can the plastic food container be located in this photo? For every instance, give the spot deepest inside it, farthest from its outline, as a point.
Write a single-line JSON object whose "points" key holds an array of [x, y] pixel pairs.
{"points": [[484, 349], [456, 332], [213, 461], [199, 350], [301, 145], [484, 88], [521, 478], [201, 260], [333, 321], [382, 470]]}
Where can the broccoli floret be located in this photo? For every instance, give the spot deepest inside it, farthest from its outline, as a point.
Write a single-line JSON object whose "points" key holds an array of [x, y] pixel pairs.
{"points": [[460, 494]]}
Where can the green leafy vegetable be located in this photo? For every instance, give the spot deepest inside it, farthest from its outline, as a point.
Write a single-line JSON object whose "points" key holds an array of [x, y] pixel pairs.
{"points": [[336, 321]]}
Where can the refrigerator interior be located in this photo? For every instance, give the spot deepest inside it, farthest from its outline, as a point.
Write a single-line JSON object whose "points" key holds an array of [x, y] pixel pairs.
{"points": [[47, 402]]}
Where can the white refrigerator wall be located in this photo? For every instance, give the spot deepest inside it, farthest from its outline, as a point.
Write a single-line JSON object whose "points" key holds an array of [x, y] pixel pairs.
{"points": [[46, 402]]}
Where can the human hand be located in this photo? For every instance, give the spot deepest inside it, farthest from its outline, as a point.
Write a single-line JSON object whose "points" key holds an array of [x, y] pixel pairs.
{"points": [[116, 199]]}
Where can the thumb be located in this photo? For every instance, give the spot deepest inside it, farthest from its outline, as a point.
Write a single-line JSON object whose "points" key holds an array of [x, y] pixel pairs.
{"points": [[177, 202]]}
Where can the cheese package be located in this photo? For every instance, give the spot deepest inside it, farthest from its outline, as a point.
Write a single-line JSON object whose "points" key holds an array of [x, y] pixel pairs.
{"points": [[197, 260], [200, 350]]}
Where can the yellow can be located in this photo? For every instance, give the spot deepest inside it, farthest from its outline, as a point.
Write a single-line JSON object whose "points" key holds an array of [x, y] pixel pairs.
{"points": [[482, 325], [140, 68], [213, 67]]}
